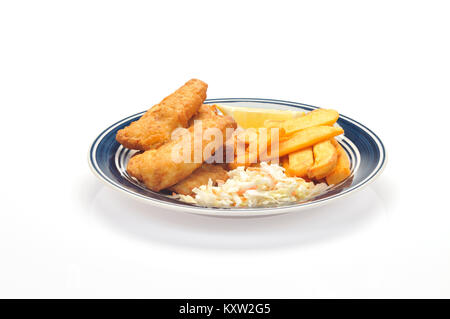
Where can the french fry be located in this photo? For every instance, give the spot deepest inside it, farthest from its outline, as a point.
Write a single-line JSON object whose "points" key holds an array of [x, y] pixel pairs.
{"points": [[248, 136], [300, 162], [308, 137], [285, 162], [273, 123], [265, 140], [342, 169], [325, 160], [318, 117], [284, 138], [265, 136]]}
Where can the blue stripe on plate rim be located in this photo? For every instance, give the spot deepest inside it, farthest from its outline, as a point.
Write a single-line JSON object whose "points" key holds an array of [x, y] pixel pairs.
{"points": [[261, 210]]}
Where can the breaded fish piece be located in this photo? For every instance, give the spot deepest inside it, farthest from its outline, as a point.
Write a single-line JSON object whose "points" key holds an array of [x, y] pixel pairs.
{"points": [[205, 111], [154, 128], [158, 169], [199, 177]]}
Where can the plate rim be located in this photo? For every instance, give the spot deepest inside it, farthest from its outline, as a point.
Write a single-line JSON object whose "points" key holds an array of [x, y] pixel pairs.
{"points": [[242, 212]]}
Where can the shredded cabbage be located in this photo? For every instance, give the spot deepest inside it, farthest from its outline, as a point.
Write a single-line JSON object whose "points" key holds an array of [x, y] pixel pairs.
{"points": [[266, 185]]}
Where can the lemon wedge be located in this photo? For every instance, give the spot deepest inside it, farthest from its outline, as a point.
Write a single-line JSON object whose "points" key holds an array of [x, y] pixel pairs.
{"points": [[249, 117]]}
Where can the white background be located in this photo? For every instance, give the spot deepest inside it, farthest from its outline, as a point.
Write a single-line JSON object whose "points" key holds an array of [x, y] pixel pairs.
{"points": [[69, 69]]}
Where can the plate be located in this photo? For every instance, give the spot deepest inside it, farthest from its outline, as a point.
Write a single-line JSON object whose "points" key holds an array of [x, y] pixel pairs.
{"points": [[108, 160]]}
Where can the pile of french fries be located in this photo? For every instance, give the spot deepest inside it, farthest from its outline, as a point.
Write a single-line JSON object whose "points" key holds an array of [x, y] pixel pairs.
{"points": [[307, 147]]}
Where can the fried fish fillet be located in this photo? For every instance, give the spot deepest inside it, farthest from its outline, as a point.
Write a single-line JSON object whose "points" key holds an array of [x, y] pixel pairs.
{"points": [[154, 128], [199, 177], [206, 111], [159, 168]]}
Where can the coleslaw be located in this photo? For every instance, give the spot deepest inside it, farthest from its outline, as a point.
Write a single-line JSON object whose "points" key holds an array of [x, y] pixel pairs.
{"points": [[266, 185]]}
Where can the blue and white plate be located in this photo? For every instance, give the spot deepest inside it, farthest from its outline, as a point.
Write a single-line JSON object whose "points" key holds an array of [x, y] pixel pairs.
{"points": [[108, 160]]}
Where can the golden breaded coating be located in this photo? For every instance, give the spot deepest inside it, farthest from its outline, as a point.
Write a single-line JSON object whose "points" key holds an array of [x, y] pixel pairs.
{"points": [[199, 177], [154, 128], [158, 169], [205, 111]]}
